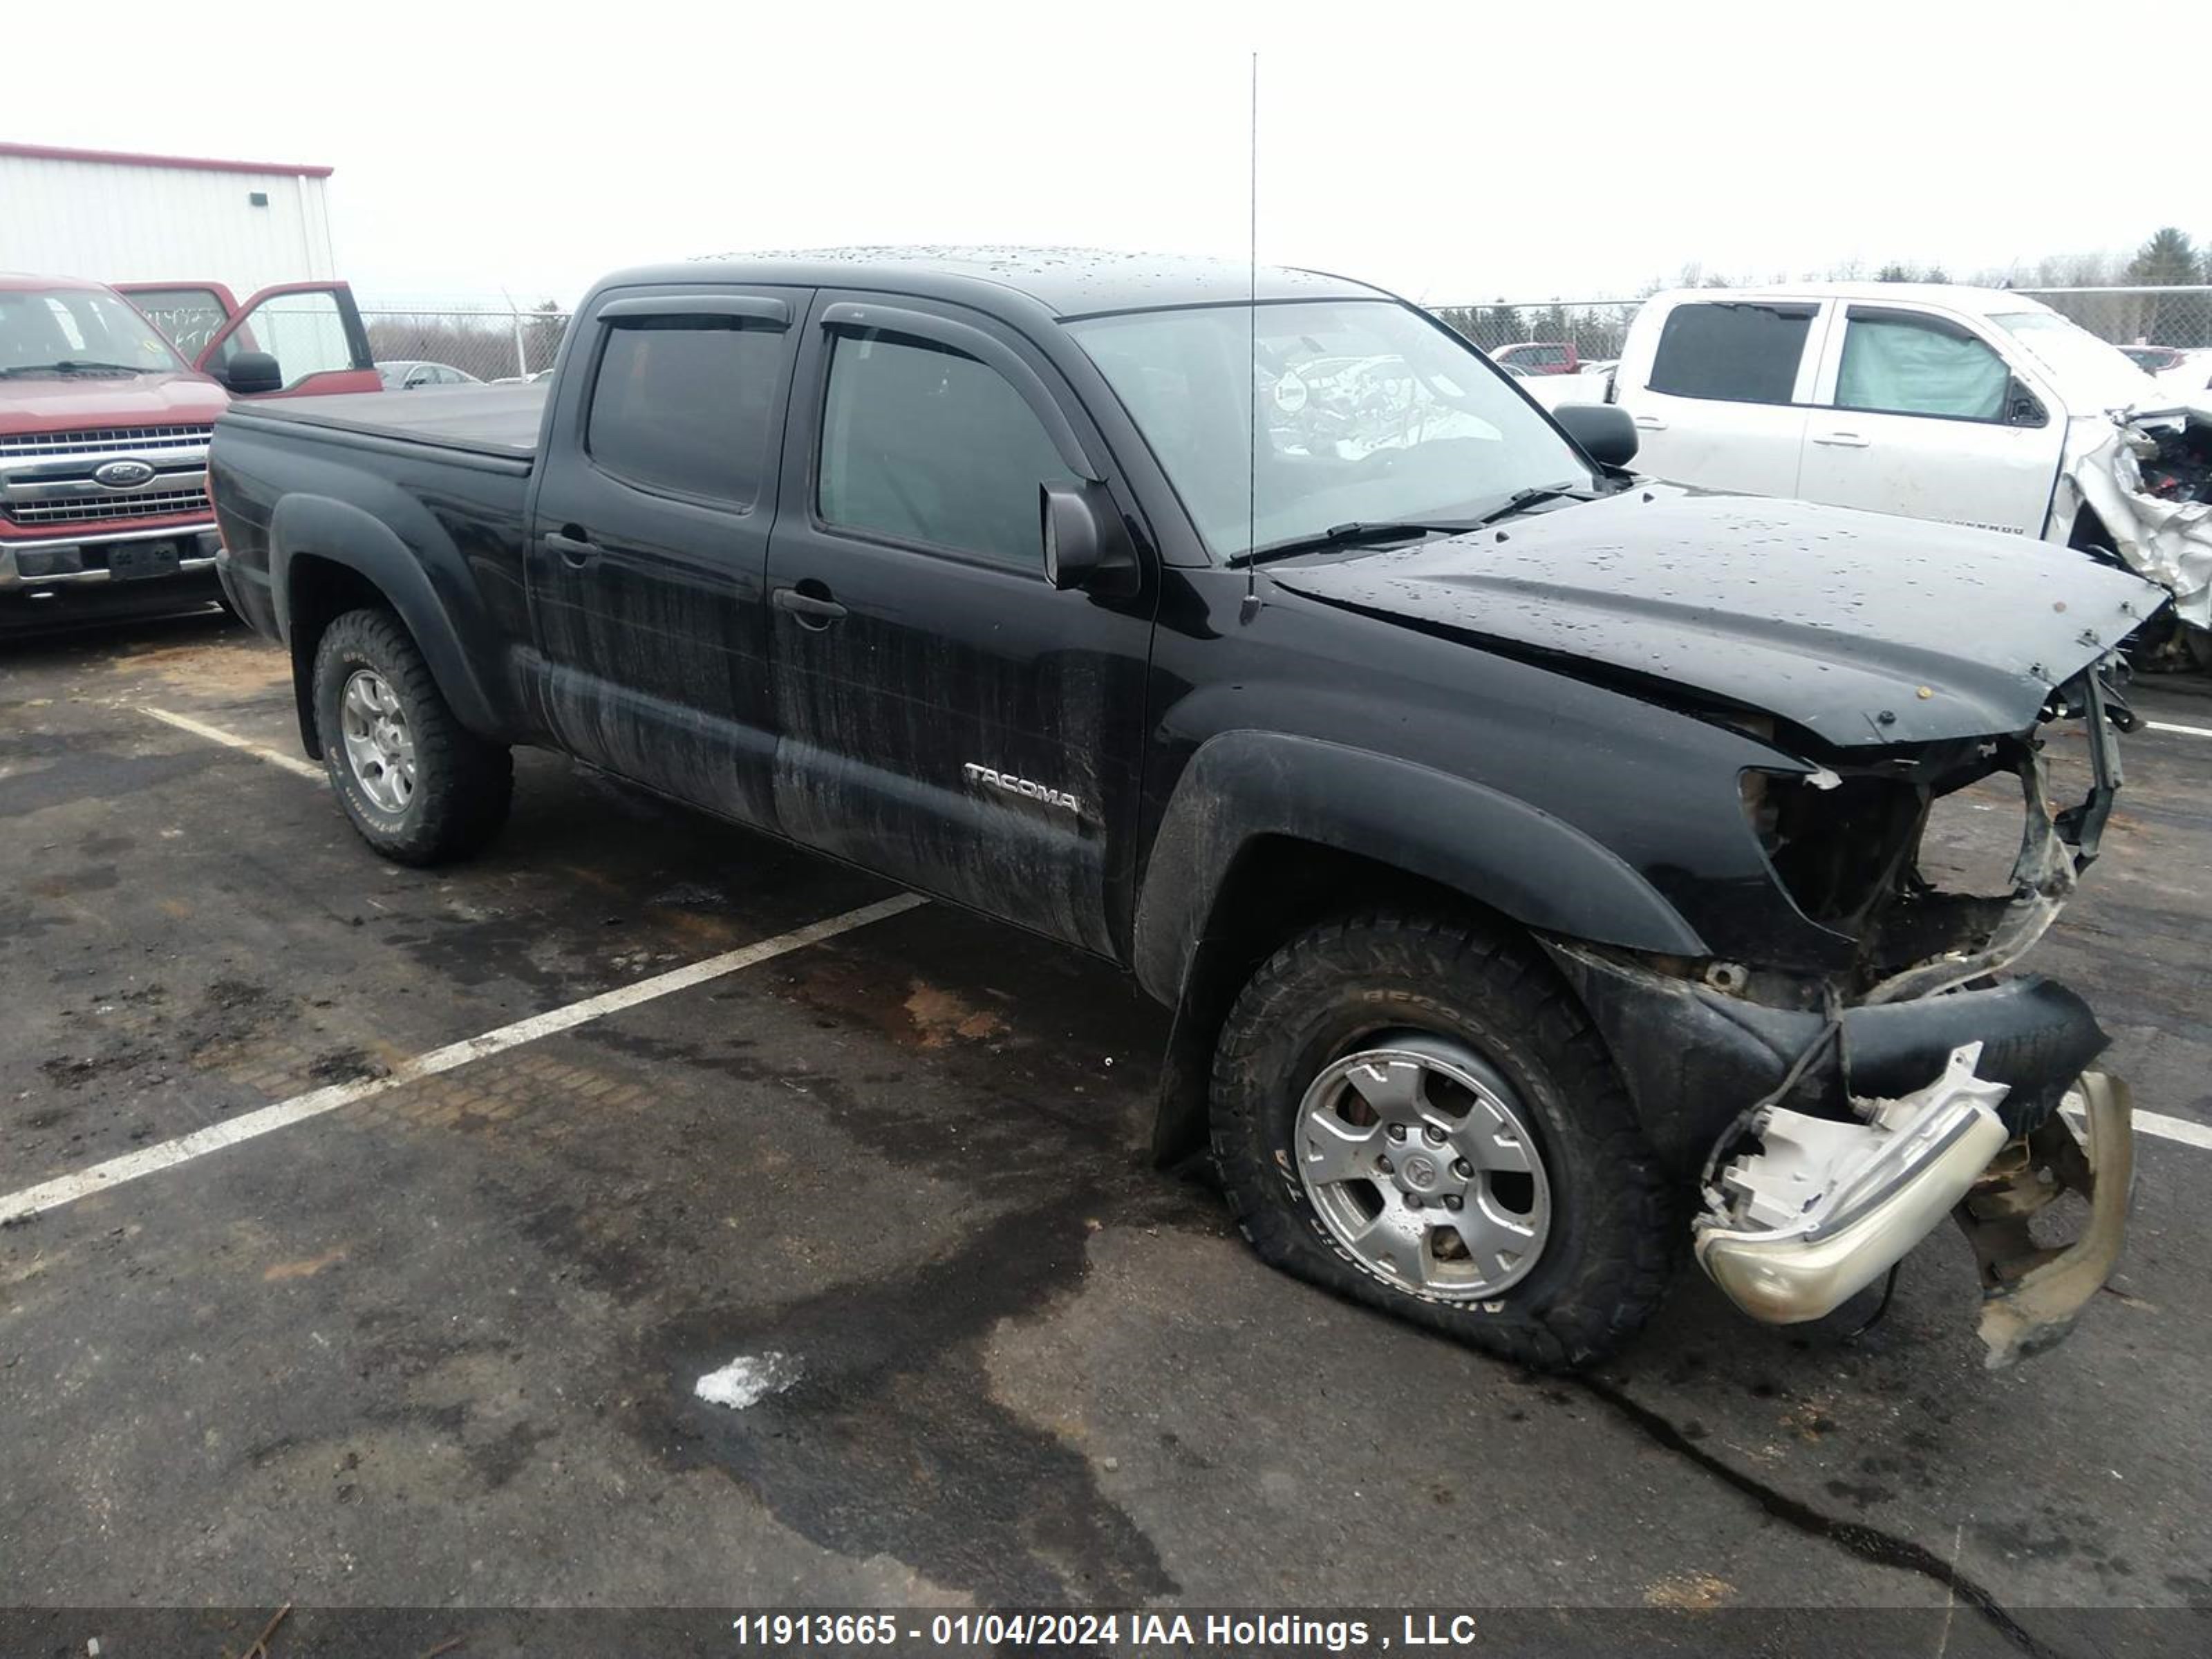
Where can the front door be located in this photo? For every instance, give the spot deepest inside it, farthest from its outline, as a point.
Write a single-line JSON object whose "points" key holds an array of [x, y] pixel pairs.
{"points": [[1917, 414], [948, 717], [649, 534], [313, 331]]}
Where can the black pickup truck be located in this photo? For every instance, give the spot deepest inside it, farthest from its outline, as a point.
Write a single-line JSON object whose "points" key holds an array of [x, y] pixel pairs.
{"points": [[1529, 853]]}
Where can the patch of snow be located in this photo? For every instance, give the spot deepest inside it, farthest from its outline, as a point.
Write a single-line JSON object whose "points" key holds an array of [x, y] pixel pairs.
{"points": [[748, 1380]]}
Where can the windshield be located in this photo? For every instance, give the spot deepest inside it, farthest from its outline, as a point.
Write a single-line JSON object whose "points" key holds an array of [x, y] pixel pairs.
{"points": [[2100, 371], [1368, 413], [67, 328]]}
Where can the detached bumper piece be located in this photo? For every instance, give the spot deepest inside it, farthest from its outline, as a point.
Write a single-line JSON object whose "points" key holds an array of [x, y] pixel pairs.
{"points": [[2030, 1294], [1825, 1208]]}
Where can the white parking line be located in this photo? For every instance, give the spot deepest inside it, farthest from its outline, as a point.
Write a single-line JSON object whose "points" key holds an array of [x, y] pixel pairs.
{"points": [[2173, 1129], [313, 1104], [232, 740], [67, 1189]]}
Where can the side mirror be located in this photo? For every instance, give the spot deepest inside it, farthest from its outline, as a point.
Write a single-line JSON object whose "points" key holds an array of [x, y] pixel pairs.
{"points": [[1086, 544], [252, 374], [2023, 407], [1603, 431]]}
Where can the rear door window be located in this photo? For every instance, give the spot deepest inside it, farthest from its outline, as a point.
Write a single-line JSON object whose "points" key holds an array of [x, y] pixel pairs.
{"points": [[683, 402], [1735, 352], [1898, 363], [922, 444], [190, 317]]}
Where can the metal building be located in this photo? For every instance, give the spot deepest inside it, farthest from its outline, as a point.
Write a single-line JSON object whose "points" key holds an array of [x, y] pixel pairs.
{"points": [[118, 217]]}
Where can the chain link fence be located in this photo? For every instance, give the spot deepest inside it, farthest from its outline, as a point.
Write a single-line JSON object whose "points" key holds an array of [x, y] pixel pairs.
{"points": [[484, 345], [2148, 323], [2155, 324]]}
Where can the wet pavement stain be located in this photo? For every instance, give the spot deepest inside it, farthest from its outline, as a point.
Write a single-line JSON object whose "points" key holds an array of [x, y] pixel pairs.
{"points": [[889, 1441]]}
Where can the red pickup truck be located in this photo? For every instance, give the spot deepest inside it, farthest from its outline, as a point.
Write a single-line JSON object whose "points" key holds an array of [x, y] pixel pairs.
{"points": [[105, 418], [1541, 356]]}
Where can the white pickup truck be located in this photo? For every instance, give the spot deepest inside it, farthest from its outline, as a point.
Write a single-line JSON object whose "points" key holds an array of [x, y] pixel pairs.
{"points": [[1970, 406]]}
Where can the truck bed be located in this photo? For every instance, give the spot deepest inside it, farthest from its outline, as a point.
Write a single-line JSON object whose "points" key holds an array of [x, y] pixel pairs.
{"points": [[501, 421]]}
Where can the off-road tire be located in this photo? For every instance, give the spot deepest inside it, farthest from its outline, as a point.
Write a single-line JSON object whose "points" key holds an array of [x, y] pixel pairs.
{"points": [[463, 782], [1617, 1222]]}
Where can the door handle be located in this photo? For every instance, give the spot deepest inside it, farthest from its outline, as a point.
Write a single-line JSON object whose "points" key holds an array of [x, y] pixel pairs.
{"points": [[1842, 439], [1649, 422], [810, 602], [572, 545]]}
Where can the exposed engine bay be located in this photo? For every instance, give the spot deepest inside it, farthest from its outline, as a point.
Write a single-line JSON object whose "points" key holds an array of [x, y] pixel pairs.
{"points": [[1804, 1209]]}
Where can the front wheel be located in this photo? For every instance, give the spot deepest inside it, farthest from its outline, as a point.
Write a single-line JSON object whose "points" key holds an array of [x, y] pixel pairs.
{"points": [[1416, 1114], [420, 787]]}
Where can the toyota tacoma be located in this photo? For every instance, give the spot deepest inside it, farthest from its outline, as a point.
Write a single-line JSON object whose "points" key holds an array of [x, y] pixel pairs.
{"points": [[1530, 854]]}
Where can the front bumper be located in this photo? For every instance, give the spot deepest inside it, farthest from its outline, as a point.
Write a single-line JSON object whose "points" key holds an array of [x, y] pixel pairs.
{"points": [[50, 564], [1694, 1058], [1860, 1155]]}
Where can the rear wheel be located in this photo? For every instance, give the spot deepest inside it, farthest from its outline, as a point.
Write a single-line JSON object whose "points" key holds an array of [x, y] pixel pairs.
{"points": [[420, 788], [1414, 1113]]}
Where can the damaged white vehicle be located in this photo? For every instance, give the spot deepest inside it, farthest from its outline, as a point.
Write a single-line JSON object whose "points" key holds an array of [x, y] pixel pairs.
{"points": [[1968, 405]]}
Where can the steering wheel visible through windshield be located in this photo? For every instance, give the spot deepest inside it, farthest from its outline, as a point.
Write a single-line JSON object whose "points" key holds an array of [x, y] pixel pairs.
{"points": [[1368, 413]]}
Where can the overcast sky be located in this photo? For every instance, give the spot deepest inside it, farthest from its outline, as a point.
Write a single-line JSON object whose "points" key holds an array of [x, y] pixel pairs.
{"points": [[1452, 151]]}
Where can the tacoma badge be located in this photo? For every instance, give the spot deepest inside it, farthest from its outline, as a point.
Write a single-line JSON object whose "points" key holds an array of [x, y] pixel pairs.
{"points": [[1014, 785]]}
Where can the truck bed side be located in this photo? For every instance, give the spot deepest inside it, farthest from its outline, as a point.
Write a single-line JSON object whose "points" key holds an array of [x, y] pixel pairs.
{"points": [[328, 503], [501, 421]]}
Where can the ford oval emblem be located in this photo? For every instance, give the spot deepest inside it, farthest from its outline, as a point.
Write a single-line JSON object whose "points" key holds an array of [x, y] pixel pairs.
{"points": [[123, 474]]}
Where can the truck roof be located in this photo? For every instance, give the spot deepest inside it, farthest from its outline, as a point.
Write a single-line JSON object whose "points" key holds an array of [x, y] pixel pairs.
{"points": [[17, 281], [1065, 281], [501, 422], [1951, 297]]}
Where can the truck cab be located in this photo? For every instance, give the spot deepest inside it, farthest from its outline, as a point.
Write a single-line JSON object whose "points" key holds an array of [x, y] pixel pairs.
{"points": [[1971, 406], [106, 412]]}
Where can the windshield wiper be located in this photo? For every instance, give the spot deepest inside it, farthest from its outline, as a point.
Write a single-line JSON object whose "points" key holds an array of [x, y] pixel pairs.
{"points": [[75, 365], [1521, 500], [1359, 531]]}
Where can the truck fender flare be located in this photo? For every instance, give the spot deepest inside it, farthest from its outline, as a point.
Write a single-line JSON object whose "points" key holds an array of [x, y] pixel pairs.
{"points": [[434, 613], [1512, 857], [1241, 787]]}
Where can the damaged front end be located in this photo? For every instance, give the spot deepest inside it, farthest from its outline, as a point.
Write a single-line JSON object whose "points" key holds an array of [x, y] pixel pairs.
{"points": [[2146, 477], [1837, 1116]]}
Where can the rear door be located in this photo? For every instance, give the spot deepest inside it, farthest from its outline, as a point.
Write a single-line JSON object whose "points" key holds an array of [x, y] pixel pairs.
{"points": [[948, 717], [1723, 403], [1920, 415], [313, 331], [657, 483], [190, 314]]}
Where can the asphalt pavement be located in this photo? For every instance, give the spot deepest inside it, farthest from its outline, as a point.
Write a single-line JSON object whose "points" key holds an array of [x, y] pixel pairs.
{"points": [[436, 1339]]}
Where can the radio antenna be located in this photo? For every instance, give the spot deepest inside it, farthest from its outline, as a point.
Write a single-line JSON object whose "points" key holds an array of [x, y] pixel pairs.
{"points": [[1251, 606]]}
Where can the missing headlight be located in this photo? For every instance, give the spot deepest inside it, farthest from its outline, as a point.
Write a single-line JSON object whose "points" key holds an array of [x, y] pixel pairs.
{"points": [[1836, 843], [1847, 845]]}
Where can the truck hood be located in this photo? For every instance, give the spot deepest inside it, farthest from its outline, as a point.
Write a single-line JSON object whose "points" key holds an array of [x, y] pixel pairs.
{"points": [[64, 403], [1860, 628]]}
